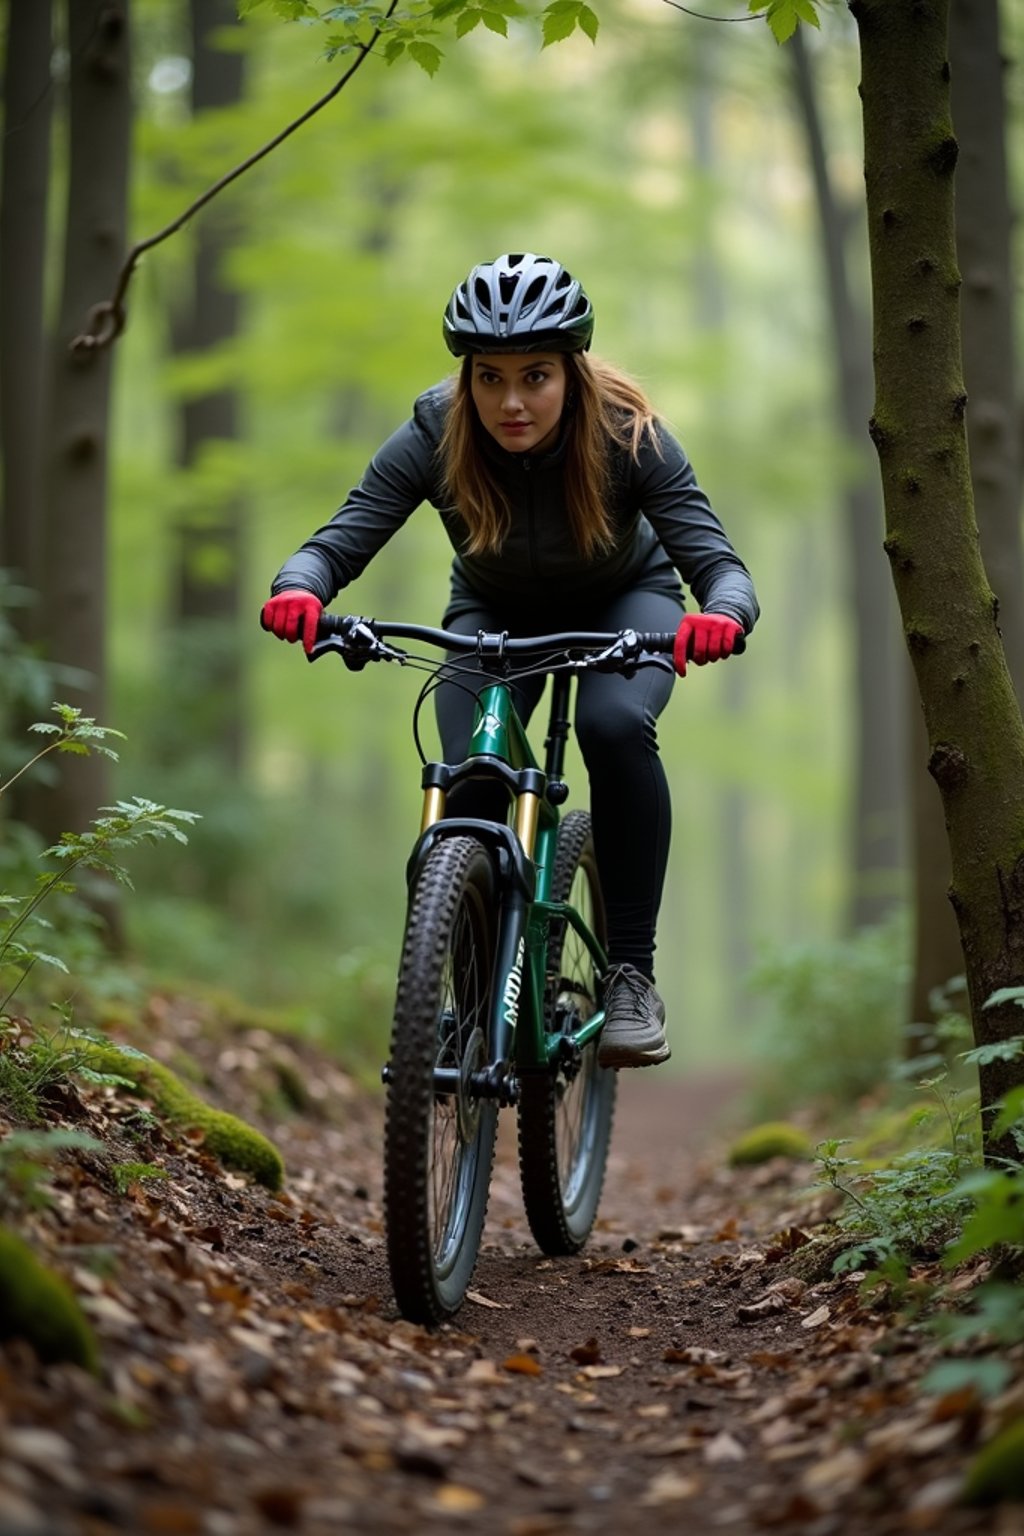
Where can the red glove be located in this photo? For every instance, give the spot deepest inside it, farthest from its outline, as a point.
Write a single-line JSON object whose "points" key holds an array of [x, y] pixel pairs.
{"points": [[704, 637], [293, 614]]}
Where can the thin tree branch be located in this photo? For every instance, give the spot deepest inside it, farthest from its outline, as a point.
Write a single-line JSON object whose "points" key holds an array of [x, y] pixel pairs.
{"points": [[702, 17], [106, 321]]}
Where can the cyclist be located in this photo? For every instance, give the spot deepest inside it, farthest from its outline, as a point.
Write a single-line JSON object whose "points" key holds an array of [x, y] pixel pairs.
{"points": [[569, 506]]}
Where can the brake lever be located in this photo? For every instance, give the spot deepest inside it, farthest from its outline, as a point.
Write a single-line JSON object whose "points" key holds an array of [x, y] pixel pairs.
{"points": [[622, 656], [357, 644]]}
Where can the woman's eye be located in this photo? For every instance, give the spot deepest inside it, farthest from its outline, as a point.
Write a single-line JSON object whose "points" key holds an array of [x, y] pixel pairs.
{"points": [[536, 378]]}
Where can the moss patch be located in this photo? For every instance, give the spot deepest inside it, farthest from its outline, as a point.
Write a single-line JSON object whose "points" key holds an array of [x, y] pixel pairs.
{"points": [[234, 1143], [774, 1139], [997, 1472], [38, 1305]]}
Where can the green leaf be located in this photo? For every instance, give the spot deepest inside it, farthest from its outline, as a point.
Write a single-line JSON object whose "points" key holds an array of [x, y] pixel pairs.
{"points": [[806, 12], [589, 22], [1006, 995], [560, 23], [394, 50], [442, 9], [467, 21], [426, 56], [782, 18], [1011, 1112], [495, 22], [995, 1050]]}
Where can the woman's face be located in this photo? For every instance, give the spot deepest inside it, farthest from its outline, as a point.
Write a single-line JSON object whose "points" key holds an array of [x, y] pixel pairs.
{"points": [[519, 397]]}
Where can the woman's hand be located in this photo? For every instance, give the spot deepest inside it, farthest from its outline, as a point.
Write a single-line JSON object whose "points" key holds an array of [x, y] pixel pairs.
{"points": [[293, 615], [704, 637]]}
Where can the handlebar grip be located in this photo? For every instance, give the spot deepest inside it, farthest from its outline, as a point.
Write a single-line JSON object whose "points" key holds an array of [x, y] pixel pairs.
{"points": [[665, 641]]}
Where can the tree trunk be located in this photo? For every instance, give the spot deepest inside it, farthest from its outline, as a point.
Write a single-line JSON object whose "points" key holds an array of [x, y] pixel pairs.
{"points": [[879, 807], [937, 955], [28, 111], [75, 538], [975, 733], [208, 599], [983, 230]]}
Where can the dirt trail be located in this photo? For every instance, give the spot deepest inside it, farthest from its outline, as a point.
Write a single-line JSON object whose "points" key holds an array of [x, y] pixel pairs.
{"points": [[257, 1378]]}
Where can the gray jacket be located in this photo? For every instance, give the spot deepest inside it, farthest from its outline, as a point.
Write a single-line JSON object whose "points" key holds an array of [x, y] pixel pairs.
{"points": [[663, 524]]}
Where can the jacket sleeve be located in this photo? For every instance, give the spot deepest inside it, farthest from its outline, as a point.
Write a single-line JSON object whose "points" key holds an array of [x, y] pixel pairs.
{"points": [[690, 533], [398, 478]]}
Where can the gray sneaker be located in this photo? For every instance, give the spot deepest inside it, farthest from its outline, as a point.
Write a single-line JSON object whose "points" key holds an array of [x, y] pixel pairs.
{"points": [[634, 1026]]}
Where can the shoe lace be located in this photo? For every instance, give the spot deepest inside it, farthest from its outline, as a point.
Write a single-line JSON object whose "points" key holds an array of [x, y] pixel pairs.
{"points": [[636, 982]]}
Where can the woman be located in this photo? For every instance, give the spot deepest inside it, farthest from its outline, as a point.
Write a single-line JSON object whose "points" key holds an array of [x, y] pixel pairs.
{"points": [[569, 506]]}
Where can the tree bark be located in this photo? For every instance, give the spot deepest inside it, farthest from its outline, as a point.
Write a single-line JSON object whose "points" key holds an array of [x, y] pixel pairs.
{"points": [[208, 598], [75, 539], [983, 229], [878, 812], [28, 112], [975, 733]]}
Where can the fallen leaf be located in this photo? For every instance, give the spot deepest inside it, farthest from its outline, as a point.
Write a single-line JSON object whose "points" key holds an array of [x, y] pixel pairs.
{"points": [[728, 1233], [483, 1373], [455, 1499], [766, 1307], [485, 1301], [600, 1372], [522, 1365], [815, 1319], [586, 1354], [668, 1488], [723, 1448], [639, 1333]]}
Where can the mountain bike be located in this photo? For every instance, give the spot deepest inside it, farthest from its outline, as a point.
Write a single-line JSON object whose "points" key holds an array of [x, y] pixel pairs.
{"points": [[499, 999]]}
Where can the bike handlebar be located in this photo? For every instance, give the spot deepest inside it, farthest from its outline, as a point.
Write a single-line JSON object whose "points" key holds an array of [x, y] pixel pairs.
{"points": [[360, 640]]}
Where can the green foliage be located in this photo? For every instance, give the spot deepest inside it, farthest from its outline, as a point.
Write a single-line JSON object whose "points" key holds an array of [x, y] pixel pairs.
{"points": [[229, 1139], [36, 1304], [76, 733], [997, 1472], [774, 1139], [125, 825], [25, 1159], [127, 1174], [994, 1322], [835, 1021], [34, 1060], [914, 1205], [358, 24], [784, 16]]}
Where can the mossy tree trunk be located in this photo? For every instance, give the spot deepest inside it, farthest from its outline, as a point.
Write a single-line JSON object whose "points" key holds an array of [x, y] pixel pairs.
{"points": [[975, 734]]}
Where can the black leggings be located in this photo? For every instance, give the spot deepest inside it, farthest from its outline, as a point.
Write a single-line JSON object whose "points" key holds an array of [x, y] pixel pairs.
{"points": [[616, 729]]}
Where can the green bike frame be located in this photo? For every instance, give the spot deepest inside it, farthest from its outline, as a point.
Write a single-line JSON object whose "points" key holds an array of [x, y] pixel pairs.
{"points": [[525, 856]]}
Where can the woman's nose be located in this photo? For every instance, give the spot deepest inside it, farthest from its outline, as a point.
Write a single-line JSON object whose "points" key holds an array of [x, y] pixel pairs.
{"points": [[510, 401]]}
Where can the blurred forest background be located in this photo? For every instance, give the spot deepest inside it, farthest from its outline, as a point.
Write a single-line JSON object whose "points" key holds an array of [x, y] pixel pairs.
{"points": [[707, 187]]}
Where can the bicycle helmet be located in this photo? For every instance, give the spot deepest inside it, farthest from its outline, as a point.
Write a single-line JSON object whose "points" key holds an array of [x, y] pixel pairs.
{"points": [[518, 303]]}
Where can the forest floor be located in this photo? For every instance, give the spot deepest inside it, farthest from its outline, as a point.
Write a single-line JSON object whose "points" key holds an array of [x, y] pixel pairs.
{"points": [[256, 1376]]}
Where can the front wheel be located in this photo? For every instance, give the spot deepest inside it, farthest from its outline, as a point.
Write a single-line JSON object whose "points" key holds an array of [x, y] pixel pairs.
{"points": [[439, 1136], [565, 1118]]}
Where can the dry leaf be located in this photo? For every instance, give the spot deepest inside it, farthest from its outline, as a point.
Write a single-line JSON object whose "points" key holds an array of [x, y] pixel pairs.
{"points": [[485, 1301], [455, 1499], [522, 1365], [815, 1319], [586, 1354], [483, 1373], [600, 1372], [668, 1488], [723, 1448], [639, 1333]]}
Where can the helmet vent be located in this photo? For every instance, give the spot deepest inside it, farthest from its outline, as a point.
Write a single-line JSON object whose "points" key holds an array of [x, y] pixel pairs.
{"points": [[514, 261], [483, 294], [508, 286], [564, 280], [534, 292]]}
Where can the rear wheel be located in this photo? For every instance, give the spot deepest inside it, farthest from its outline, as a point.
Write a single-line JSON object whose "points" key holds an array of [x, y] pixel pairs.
{"points": [[565, 1117], [439, 1140]]}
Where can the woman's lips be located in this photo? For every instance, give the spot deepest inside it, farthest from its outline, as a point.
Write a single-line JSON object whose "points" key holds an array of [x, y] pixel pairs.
{"points": [[514, 427]]}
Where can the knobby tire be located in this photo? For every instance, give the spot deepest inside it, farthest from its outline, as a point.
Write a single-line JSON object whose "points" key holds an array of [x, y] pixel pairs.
{"points": [[565, 1124], [439, 1148]]}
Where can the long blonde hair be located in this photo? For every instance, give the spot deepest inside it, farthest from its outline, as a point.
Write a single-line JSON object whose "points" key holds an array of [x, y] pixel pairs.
{"points": [[603, 407]]}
